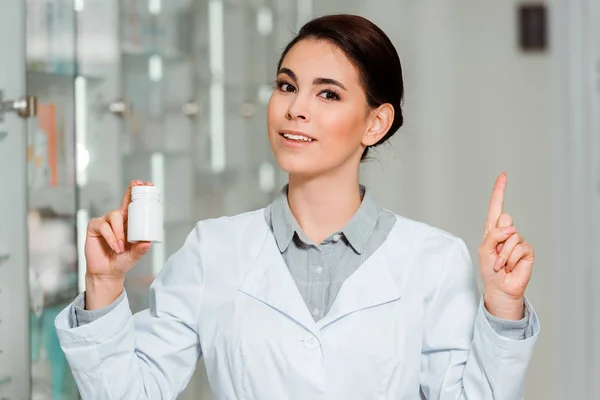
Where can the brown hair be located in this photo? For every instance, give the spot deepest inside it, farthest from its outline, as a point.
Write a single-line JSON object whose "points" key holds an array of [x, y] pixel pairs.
{"points": [[371, 52]]}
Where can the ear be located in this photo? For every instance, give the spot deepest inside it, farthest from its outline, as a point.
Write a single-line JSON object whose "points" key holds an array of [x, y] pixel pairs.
{"points": [[381, 119]]}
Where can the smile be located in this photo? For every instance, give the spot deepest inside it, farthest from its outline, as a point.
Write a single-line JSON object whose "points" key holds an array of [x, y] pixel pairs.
{"points": [[299, 138]]}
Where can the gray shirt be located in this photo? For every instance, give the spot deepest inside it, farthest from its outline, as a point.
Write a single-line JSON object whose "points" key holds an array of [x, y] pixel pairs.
{"points": [[319, 270]]}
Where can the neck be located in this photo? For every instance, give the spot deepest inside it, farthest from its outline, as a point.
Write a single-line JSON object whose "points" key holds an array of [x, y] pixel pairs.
{"points": [[323, 205]]}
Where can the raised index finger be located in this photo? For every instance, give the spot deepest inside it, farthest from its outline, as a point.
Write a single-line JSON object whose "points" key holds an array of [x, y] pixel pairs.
{"points": [[496, 202]]}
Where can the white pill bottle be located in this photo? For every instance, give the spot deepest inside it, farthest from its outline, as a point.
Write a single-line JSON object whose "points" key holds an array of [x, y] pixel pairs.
{"points": [[145, 215]]}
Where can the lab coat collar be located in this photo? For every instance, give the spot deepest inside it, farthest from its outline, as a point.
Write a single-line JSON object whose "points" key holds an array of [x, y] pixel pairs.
{"points": [[371, 285], [270, 282]]}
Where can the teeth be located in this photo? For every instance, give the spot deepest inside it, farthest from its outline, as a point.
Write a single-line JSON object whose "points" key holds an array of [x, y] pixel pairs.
{"points": [[297, 137]]}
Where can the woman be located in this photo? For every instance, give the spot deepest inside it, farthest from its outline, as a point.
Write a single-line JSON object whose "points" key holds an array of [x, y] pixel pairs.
{"points": [[321, 295]]}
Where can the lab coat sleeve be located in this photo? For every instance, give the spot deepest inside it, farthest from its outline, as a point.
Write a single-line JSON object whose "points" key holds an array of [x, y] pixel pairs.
{"points": [[151, 355], [463, 357]]}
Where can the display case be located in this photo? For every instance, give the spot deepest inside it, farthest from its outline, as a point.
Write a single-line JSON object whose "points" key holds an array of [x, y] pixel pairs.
{"points": [[174, 92]]}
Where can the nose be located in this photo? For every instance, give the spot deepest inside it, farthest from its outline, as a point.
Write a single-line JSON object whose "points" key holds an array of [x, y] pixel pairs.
{"points": [[298, 110]]}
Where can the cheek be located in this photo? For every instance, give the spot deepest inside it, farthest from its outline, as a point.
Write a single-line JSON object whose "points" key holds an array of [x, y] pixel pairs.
{"points": [[276, 109], [344, 127]]}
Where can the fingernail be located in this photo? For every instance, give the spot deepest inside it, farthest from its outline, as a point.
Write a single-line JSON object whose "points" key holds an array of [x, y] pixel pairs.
{"points": [[509, 230], [115, 247], [122, 245], [499, 263]]}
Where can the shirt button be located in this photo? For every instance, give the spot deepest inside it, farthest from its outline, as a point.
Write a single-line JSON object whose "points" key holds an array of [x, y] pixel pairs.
{"points": [[319, 270], [316, 312], [336, 237]]}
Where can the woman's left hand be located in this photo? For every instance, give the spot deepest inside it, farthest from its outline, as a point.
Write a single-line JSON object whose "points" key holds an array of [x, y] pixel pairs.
{"points": [[505, 260]]}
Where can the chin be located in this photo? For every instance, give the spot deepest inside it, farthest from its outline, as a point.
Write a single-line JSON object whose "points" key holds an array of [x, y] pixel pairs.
{"points": [[300, 166]]}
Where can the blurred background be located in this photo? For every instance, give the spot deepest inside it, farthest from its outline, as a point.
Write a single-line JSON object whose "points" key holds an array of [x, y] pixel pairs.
{"points": [[175, 92]]}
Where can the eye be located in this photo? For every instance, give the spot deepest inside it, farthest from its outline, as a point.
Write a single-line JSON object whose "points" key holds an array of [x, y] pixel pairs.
{"points": [[286, 87], [329, 95]]}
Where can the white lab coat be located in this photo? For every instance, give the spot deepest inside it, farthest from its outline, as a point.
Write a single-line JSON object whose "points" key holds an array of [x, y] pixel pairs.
{"points": [[408, 324]]}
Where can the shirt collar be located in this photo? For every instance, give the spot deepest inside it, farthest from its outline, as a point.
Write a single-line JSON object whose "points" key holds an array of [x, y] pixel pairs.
{"points": [[357, 231], [360, 228], [283, 221]]}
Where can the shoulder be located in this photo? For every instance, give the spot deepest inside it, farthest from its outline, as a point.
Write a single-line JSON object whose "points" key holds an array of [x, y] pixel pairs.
{"points": [[426, 247], [248, 229], [421, 256], [422, 235], [236, 223]]}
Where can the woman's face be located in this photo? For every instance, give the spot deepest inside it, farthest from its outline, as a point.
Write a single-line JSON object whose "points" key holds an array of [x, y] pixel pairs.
{"points": [[318, 119]]}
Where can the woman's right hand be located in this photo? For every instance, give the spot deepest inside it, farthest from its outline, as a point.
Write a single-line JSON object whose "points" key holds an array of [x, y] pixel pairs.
{"points": [[108, 255]]}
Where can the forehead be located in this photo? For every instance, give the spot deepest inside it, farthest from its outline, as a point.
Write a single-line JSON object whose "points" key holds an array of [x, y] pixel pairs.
{"points": [[319, 59]]}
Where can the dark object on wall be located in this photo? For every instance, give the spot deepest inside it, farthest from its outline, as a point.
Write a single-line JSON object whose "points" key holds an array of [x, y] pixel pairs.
{"points": [[533, 27]]}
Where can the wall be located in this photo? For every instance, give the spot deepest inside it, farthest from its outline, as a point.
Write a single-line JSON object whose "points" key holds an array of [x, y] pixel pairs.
{"points": [[474, 106]]}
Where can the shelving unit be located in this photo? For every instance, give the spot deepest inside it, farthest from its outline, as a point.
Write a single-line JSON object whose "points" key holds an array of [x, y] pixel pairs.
{"points": [[160, 67]]}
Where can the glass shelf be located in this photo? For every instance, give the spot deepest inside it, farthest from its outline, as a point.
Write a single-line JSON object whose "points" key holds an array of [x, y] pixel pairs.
{"points": [[59, 199], [62, 199], [40, 78], [143, 55], [143, 154]]}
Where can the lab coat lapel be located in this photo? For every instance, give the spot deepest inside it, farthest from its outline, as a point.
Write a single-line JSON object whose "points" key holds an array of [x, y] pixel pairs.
{"points": [[370, 285], [271, 283]]}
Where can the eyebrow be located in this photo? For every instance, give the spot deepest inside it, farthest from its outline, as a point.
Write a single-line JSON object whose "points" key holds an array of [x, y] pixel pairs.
{"points": [[316, 81]]}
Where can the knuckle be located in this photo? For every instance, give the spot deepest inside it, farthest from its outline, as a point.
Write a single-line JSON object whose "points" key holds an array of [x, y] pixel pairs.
{"points": [[105, 226], [94, 224], [506, 218], [114, 214], [518, 249]]}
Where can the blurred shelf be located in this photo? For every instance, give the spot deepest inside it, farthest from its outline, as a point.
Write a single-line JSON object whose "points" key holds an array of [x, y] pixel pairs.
{"points": [[142, 56], [38, 79], [63, 199], [149, 153], [60, 199]]}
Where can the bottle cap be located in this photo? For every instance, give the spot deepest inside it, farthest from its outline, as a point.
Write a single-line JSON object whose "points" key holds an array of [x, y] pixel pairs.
{"points": [[145, 190]]}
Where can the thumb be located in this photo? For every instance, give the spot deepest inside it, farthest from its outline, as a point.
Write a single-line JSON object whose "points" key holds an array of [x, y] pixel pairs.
{"points": [[138, 250]]}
